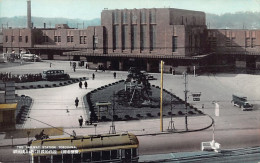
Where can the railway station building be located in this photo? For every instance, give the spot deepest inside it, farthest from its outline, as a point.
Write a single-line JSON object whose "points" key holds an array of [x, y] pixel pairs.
{"points": [[141, 38]]}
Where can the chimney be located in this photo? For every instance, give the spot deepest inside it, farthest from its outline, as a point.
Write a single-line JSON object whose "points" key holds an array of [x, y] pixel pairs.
{"points": [[29, 21], [44, 25]]}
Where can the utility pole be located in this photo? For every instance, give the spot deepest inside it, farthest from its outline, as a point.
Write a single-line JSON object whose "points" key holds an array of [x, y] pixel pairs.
{"points": [[186, 92], [161, 99], [171, 123], [112, 127]]}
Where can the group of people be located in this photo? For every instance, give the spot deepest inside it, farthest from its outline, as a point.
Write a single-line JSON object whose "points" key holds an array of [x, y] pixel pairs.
{"points": [[20, 78], [85, 84]]}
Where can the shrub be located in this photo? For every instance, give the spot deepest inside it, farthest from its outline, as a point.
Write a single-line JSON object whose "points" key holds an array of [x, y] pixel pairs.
{"points": [[149, 114], [115, 117], [127, 117]]}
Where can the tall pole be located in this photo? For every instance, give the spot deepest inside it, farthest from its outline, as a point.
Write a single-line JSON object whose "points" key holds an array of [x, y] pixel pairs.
{"points": [[185, 92], [161, 99]]}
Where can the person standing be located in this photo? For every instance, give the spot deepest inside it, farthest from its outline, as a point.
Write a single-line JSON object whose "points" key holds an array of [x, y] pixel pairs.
{"points": [[93, 76], [114, 75], [80, 121], [76, 102], [86, 84], [80, 84]]}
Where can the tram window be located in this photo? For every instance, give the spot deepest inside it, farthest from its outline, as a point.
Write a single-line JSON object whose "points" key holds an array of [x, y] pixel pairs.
{"points": [[96, 156], [35, 159], [67, 158], [134, 152], [128, 153], [57, 158], [114, 154], [122, 153], [77, 157], [44, 159], [87, 156], [105, 155]]}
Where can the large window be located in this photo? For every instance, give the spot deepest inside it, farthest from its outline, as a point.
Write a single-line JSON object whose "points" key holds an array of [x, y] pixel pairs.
{"points": [[143, 37], [152, 37], [116, 17], [20, 38], [124, 37], [83, 40], [6, 38], [174, 43], [12, 39], [45, 39], [125, 17], [26, 39], [152, 16], [55, 38], [134, 37], [115, 37], [143, 16]]}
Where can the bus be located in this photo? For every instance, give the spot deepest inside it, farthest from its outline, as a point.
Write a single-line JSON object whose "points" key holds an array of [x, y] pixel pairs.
{"points": [[93, 148], [55, 75]]}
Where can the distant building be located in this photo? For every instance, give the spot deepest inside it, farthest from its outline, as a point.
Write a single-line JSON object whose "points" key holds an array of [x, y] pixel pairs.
{"points": [[141, 38]]}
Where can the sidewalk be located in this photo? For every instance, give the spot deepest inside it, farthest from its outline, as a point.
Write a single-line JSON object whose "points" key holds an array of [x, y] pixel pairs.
{"points": [[137, 127]]}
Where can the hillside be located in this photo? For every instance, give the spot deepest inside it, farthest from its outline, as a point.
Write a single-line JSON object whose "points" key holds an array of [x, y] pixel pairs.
{"points": [[240, 20]]}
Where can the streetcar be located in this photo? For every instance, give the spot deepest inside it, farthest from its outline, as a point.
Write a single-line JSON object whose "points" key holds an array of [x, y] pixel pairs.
{"points": [[95, 148]]}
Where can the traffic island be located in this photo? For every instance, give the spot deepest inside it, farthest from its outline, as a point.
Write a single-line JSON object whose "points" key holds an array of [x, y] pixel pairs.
{"points": [[125, 106]]}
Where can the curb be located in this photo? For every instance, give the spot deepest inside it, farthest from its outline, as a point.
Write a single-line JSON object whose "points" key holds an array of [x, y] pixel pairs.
{"points": [[148, 134]]}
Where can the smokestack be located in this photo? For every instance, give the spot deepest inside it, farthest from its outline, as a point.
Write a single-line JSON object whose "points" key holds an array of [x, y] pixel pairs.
{"points": [[44, 25], [29, 21]]}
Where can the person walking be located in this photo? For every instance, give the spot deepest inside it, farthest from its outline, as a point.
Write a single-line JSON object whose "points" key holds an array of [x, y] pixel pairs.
{"points": [[80, 84], [76, 102], [93, 76], [80, 121], [86, 84]]}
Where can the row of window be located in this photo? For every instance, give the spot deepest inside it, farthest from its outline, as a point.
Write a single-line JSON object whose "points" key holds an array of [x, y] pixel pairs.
{"points": [[229, 42], [134, 17], [82, 39], [232, 34], [20, 39], [123, 154]]}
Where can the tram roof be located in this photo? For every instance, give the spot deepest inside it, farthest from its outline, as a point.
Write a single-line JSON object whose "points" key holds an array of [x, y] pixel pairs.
{"points": [[89, 143]]}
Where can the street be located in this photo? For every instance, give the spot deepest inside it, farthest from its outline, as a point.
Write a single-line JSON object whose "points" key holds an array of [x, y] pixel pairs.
{"points": [[234, 128]]}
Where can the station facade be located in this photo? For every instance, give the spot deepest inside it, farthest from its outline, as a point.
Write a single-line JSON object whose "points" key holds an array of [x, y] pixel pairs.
{"points": [[141, 38]]}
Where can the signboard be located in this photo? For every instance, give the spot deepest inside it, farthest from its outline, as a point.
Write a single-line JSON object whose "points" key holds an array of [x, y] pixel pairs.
{"points": [[196, 99], [196, 96]]}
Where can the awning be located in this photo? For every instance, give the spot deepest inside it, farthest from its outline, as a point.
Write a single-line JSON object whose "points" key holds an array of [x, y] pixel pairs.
{"points": [[153, 56]]}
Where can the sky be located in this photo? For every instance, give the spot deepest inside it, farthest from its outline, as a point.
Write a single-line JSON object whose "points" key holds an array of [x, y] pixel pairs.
{"points": [[91, 9]]}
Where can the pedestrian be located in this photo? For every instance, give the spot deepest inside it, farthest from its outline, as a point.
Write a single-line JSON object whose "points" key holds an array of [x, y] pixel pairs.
{"points": [[80, 121], [50, 64], [80, 84], [93, 76], [74, 66], [86, 84], [76, 102], [114, 75], [74, 134]]}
